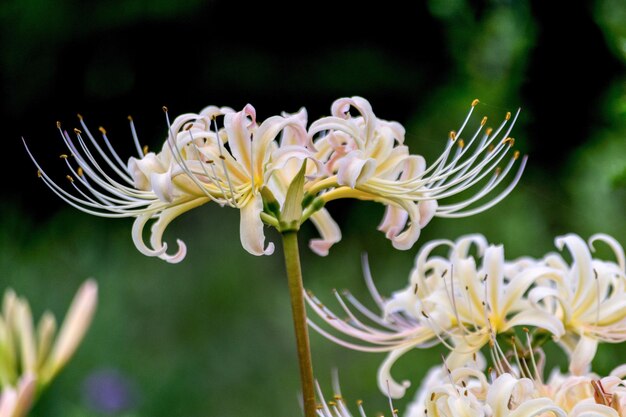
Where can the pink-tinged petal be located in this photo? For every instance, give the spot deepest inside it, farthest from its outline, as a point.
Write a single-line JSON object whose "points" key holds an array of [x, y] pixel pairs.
{"points": [[295, 136], [26, 389], [328, 229], [341, 108], [251, 228], [583, 354], [427, 210], [239, 128], [354, 169], [393, 222], [75, 325], [407, 238], [386, 383], [393, 129]]}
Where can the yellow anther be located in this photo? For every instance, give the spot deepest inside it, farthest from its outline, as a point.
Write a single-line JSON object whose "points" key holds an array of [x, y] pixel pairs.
{"points": [[80, 172], [130, 118], [432, 396], [39, 174], [509, 140], [145, 150], [475, 102], [210, 161], [359, 402], [337, 397], [102, 130], [490, 148], [63, 156], [516, 155], [452, 135], [488, 131], [77, 131], [332, 403], [461, 143], [525, 329], [508, 115], [80, 116], [222, 157], [498, 171], [164, 109], [58, 125], [482, 122], [69, 177]]}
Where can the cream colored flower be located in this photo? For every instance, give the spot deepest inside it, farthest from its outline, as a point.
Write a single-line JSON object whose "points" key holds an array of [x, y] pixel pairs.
{"points": [[366, 159], [454, 300], [198, 163], [588, 296], [26, 350]]}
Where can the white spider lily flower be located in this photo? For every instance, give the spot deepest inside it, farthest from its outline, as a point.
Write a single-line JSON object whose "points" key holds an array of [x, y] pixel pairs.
{"points": [[589, 298], [26, 350], [451, 300], [198, 163], [367, 160], [17, 401]]}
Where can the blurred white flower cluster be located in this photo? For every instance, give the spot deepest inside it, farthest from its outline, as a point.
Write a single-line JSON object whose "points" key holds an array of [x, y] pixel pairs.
{"points": [[231, 158], [30, 357], [494, 316]]}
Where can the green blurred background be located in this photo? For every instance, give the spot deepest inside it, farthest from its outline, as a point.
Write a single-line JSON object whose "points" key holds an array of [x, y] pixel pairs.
{"points": [[212, 335]]}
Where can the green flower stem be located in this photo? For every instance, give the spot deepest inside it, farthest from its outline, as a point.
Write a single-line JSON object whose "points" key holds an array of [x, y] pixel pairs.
{"points": [[296, 291]]}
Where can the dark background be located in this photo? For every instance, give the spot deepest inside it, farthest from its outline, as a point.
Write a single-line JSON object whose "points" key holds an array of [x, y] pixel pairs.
{"points": [[212, 335]]}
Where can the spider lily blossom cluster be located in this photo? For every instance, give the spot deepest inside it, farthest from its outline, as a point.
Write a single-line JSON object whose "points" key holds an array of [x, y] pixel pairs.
{"points": [[231, 158], [469, 301], [30, 357]]}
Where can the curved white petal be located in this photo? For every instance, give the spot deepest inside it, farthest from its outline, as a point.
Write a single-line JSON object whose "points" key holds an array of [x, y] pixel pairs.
{"points": [[251, 228], [328, 229], [386, 383], [583, 354], [591, 409], [354, 169]]}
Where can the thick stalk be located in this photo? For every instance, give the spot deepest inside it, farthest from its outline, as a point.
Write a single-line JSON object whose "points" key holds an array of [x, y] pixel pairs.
{"points": [[294, 277]]}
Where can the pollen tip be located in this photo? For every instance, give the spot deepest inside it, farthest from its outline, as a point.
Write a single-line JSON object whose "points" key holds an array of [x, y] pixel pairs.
{"points": [[102, 130], [488, 131], [58, 125], [516, 155], [490, 148], [130, 118], [80, 172], [39, 174], [452, 135], [145, 150], [359, 402], [222, 157], [509, 140], [69, 177], [498, 171], [164, 109], [475, 102], [77, 131], [461, 143], [508, 115], [80, 116], [63, 156], [483, 121]]}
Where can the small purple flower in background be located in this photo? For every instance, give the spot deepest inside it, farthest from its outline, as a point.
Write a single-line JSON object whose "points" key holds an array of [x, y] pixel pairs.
{"points": [[109, 391]]}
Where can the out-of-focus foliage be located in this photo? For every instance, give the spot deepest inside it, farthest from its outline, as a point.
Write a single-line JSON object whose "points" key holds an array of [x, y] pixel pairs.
{"points": [[213, 335]]}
